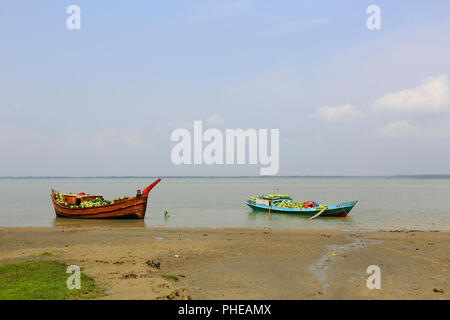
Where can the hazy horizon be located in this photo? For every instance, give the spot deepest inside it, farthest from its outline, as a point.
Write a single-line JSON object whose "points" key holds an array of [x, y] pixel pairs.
{"points": [[418, 176]]}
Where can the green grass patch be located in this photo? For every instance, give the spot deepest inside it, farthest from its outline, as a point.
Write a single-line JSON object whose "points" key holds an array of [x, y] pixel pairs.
{"points": [[46, 254], [42, 280], [169, 277]]}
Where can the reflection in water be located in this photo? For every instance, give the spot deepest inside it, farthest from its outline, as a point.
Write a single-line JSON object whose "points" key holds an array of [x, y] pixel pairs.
{"points": [[284, 218], [104, 223], [273, 216]]}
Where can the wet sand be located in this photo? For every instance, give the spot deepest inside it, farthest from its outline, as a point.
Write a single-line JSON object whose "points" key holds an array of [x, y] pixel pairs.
{"points": [[242, 263]]}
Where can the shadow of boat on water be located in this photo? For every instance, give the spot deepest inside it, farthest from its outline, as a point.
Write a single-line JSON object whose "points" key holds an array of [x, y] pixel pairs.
{"points": [[99, 223]]}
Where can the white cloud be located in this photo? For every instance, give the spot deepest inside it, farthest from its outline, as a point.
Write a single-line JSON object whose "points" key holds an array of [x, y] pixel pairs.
{"points": [[432, 95], [214, 120], [344, 113], [400, 129], [403, 129]]}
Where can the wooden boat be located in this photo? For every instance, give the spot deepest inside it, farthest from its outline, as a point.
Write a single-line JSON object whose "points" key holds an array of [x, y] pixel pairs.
{"points": [[340, 210], [128, 208]]}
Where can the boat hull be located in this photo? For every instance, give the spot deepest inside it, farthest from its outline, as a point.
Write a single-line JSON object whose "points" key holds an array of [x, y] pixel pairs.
{"points": [[133, 208], [340, 210]]}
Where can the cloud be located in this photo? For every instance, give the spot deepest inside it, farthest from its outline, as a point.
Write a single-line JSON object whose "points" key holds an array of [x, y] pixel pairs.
{"points": [[345, 113], [433, 95], [400, 129], [403, 129], [214, 120]]}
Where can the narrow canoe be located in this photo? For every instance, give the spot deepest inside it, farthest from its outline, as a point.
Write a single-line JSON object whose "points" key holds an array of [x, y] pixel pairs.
{"points": [[131, 208], [340, 210]]}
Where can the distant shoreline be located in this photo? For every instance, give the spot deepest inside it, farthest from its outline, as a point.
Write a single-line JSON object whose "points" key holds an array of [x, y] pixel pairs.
{"points": [[418, 176]]}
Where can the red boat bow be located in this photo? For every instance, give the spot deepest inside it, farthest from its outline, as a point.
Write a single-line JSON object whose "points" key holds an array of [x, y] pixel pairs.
{"points": [[150, 187]]}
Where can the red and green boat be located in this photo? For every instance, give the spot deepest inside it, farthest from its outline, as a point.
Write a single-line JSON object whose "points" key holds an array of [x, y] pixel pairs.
{"points": [[285, 204]]}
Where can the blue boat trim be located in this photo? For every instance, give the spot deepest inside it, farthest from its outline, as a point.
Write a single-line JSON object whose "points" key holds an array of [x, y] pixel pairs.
{"points": [[341, 209]]}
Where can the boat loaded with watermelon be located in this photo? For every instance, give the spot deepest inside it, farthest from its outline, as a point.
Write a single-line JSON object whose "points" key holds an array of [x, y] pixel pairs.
{"points": [[87, 206], [283, 203]]}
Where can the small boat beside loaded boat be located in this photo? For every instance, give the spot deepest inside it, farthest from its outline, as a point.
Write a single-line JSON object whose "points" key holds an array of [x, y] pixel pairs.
{"points": [[86, 206], [275, 203]]}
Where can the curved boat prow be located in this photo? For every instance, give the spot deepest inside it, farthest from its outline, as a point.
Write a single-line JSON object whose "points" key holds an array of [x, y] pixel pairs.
{"points": [[150, 187], [348, 204]]}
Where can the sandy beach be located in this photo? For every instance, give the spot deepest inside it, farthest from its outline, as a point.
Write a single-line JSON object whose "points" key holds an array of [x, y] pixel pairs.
{"points": [[242, 263]]}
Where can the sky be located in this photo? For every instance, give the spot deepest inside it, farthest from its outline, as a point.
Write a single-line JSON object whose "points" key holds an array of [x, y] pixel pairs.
{"points": [[103, 100]]}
